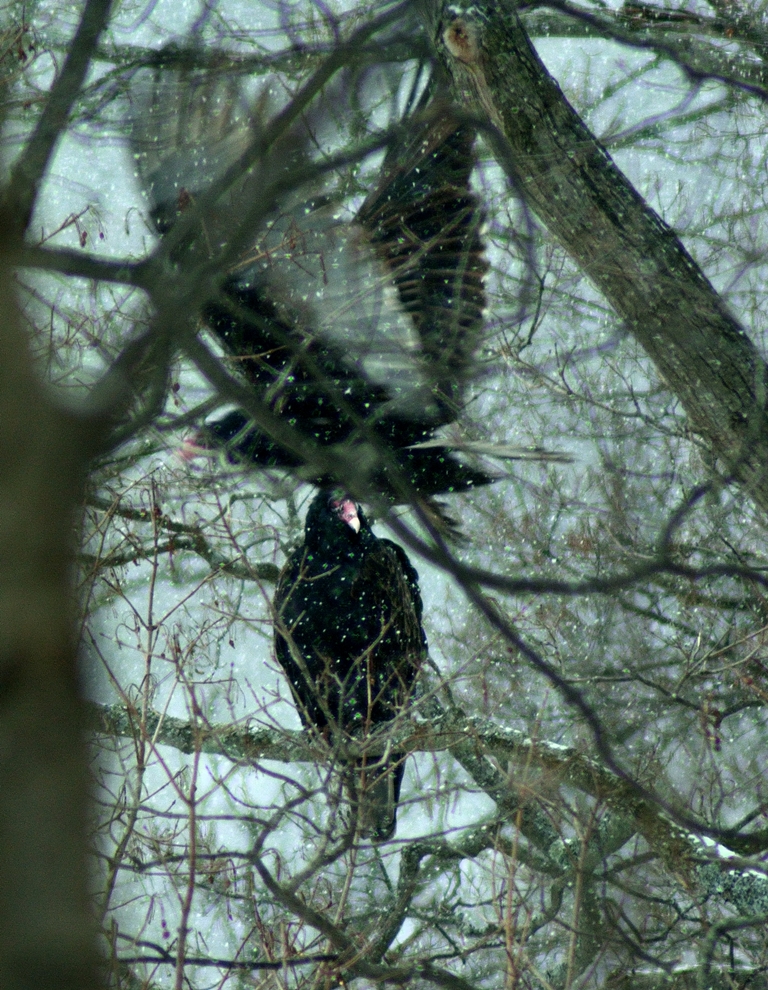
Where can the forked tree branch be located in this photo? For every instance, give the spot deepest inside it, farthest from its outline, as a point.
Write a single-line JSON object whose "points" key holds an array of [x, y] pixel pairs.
{"points": [[630, 254], [698, 864]]}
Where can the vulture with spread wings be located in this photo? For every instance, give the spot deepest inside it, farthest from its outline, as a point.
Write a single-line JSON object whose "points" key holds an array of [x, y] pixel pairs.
{"points": [[359, 335], [348, 635]]}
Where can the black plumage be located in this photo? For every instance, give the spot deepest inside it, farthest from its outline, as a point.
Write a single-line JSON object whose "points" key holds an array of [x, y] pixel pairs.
{"points": [[361, 335], [397, 370], [348, 634]]}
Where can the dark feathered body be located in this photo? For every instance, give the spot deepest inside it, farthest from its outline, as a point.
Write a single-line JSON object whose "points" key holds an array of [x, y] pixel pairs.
{"points": [[423, 225], [360, 334], [348, 634]]}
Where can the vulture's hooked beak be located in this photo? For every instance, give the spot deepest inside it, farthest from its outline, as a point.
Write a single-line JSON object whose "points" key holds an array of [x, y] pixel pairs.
{"points": [[346, 509]]}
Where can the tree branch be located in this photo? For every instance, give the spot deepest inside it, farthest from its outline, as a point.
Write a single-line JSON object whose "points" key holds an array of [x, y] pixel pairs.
{"points": [[630, 254], [21, 192], [698, 864]]}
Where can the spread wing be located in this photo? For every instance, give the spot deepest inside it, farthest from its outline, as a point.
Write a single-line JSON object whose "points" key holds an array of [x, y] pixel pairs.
{"points": [[425, 223], [348, 330], [318, 272], [188, 131]]}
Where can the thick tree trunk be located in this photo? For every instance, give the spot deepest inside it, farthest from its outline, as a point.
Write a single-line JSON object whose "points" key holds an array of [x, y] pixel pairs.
{"points": [[46, 933], [628, 252]]}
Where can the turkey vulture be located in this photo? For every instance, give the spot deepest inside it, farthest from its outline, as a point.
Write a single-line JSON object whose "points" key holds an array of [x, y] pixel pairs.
{"points": [[361, 335], [348, 635]]}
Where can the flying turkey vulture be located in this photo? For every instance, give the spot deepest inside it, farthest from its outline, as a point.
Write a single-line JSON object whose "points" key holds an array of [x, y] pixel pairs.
{"points": [[348, 634], [360, 335]]}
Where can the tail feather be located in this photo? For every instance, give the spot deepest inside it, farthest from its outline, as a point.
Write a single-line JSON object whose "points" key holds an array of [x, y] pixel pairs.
{"points": [[378, 788]]}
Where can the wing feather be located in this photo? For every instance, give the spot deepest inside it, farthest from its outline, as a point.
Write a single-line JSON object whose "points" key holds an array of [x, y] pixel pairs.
{"points": [[425, 222], [359, 334]]}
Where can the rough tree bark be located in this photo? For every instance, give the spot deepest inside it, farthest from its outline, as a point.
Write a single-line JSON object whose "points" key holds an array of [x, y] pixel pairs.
{"points": [[46, 933], [630, 254]]}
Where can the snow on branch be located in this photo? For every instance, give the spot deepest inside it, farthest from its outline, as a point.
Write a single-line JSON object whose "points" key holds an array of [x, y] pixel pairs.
{"points": [[704, 868]]}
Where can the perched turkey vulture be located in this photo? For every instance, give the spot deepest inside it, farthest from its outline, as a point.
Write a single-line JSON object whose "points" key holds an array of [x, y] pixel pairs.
{"points": [[361, 335], [348, 634]]}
